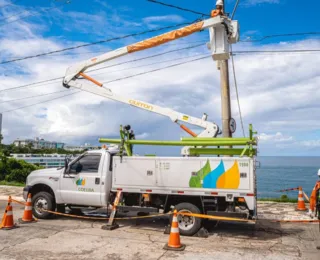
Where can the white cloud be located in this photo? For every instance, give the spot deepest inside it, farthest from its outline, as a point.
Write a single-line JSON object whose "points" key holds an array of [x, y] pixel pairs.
{"points": [[311, 143], [165, 18], [257, 2], [278, 93], [277, 137], [142, 136]]}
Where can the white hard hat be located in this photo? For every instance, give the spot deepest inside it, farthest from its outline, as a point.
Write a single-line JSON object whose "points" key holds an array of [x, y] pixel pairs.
{"points": [[319, 172], [219, 2]]}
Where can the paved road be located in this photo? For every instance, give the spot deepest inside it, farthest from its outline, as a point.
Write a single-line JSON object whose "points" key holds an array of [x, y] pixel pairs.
{"points": [[65, 238]]}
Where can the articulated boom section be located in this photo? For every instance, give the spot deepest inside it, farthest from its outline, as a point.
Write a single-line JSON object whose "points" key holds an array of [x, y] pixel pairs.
{"points": [[223, 31], [211, 129]]}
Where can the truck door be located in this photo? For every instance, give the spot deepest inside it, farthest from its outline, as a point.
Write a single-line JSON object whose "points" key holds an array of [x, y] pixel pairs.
{"points": [[81, 182]]}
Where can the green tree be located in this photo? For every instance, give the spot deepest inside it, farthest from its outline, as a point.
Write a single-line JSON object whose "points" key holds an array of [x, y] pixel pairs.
{"points": [[29, 146]]}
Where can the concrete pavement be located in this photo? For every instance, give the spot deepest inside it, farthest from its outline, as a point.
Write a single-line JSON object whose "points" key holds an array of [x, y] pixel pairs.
{"points": [[65, 238]]}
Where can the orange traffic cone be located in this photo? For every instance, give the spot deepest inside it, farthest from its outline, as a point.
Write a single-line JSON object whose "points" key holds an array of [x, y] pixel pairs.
{"points": [[7, 220], [27, 214], [301, 204], [174, 238]]}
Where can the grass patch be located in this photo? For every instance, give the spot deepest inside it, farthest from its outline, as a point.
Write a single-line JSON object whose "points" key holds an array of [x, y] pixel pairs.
{"points": [[12, 183]]}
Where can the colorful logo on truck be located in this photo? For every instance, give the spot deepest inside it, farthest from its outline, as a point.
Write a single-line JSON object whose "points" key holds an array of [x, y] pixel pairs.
{"points": [[218, 178], [81, 182]]}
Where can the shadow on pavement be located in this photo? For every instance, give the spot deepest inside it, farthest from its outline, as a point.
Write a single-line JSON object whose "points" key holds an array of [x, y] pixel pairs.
{"points": [[262, 230]]}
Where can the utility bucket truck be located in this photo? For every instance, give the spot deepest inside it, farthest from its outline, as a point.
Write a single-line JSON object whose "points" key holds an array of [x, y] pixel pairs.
{"points": [[197, 182]]}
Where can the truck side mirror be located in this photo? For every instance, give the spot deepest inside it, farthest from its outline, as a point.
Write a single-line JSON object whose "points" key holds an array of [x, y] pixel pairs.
{"points": [[79, 168], [66, 163]]}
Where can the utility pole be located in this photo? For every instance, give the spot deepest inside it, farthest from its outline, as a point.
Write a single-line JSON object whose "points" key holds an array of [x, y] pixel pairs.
{"points": [[225, 89], [1, 137]]}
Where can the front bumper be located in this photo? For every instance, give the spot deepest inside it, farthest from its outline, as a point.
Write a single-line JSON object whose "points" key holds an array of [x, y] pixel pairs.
{"points": [[26, 191]]}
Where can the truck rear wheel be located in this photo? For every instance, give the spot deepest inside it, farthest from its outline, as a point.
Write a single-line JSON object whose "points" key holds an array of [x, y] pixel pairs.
{"points": [[188, 226], [43, 200]]}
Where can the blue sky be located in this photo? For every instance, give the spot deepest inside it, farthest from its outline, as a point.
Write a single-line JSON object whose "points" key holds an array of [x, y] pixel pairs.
{"points": [[258, 17], [278, 92]]}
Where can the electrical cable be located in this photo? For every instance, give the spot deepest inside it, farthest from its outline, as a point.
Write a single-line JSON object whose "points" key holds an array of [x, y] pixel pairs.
{"points": [[278, 51], [99, 52], [109, 66], [36, 13], [10, 110], [154, 70], [237, 94], [235, 9], [177, 7], [41, 95], [153, 63], [93, 43], [12, 3], [48, 81], [108, 82], [16, 14], [31, 84], [109, 72], [147, 57], [281, 35]]}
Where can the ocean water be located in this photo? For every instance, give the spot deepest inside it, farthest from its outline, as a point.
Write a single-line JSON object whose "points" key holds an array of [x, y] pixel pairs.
{"points": [[282, 172]]}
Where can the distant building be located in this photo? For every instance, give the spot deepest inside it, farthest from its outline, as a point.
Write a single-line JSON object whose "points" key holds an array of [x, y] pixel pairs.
{"points": [[45, 160], [38, 143], [75, 148]]}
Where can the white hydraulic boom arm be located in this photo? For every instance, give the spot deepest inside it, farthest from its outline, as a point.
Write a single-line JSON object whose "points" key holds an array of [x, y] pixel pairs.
{"points": [[222, 32]]}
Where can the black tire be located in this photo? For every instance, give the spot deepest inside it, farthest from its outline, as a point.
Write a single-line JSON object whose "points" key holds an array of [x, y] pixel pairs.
{"points": [[43, 199], [193, 228]]}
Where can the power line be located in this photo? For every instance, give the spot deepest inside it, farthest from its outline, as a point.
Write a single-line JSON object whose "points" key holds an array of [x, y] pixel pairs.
{"points": [[150, 71], [281, 35], [235, 9], [153, 63], [16, 14], [119, 79], [12, 3], [108, 82], [49, 81], [278, 51], [6, 111], [136, 34], [93, 43], [109, 66], [98, 52], [46, 94], [36, 13], [178, 7], [236, 87], [31, 84], [147, 57]]}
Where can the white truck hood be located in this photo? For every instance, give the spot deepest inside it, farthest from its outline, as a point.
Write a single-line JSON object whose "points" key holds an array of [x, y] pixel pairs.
{"points": [[44, 173]]}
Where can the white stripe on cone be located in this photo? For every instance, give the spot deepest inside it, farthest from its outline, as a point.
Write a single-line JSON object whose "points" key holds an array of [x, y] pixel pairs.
{"points": [[28, 208], [300, 199], [175, 219], [9, 213], [29, 200], [174, 230]]}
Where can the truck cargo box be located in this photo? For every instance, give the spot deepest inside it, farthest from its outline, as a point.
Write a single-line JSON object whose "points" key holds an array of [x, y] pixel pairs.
{"points": [[185, 175]]}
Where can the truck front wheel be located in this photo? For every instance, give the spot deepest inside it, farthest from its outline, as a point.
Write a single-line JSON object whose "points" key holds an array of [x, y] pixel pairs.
{"points": [[40, 201], [188, 226]]}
